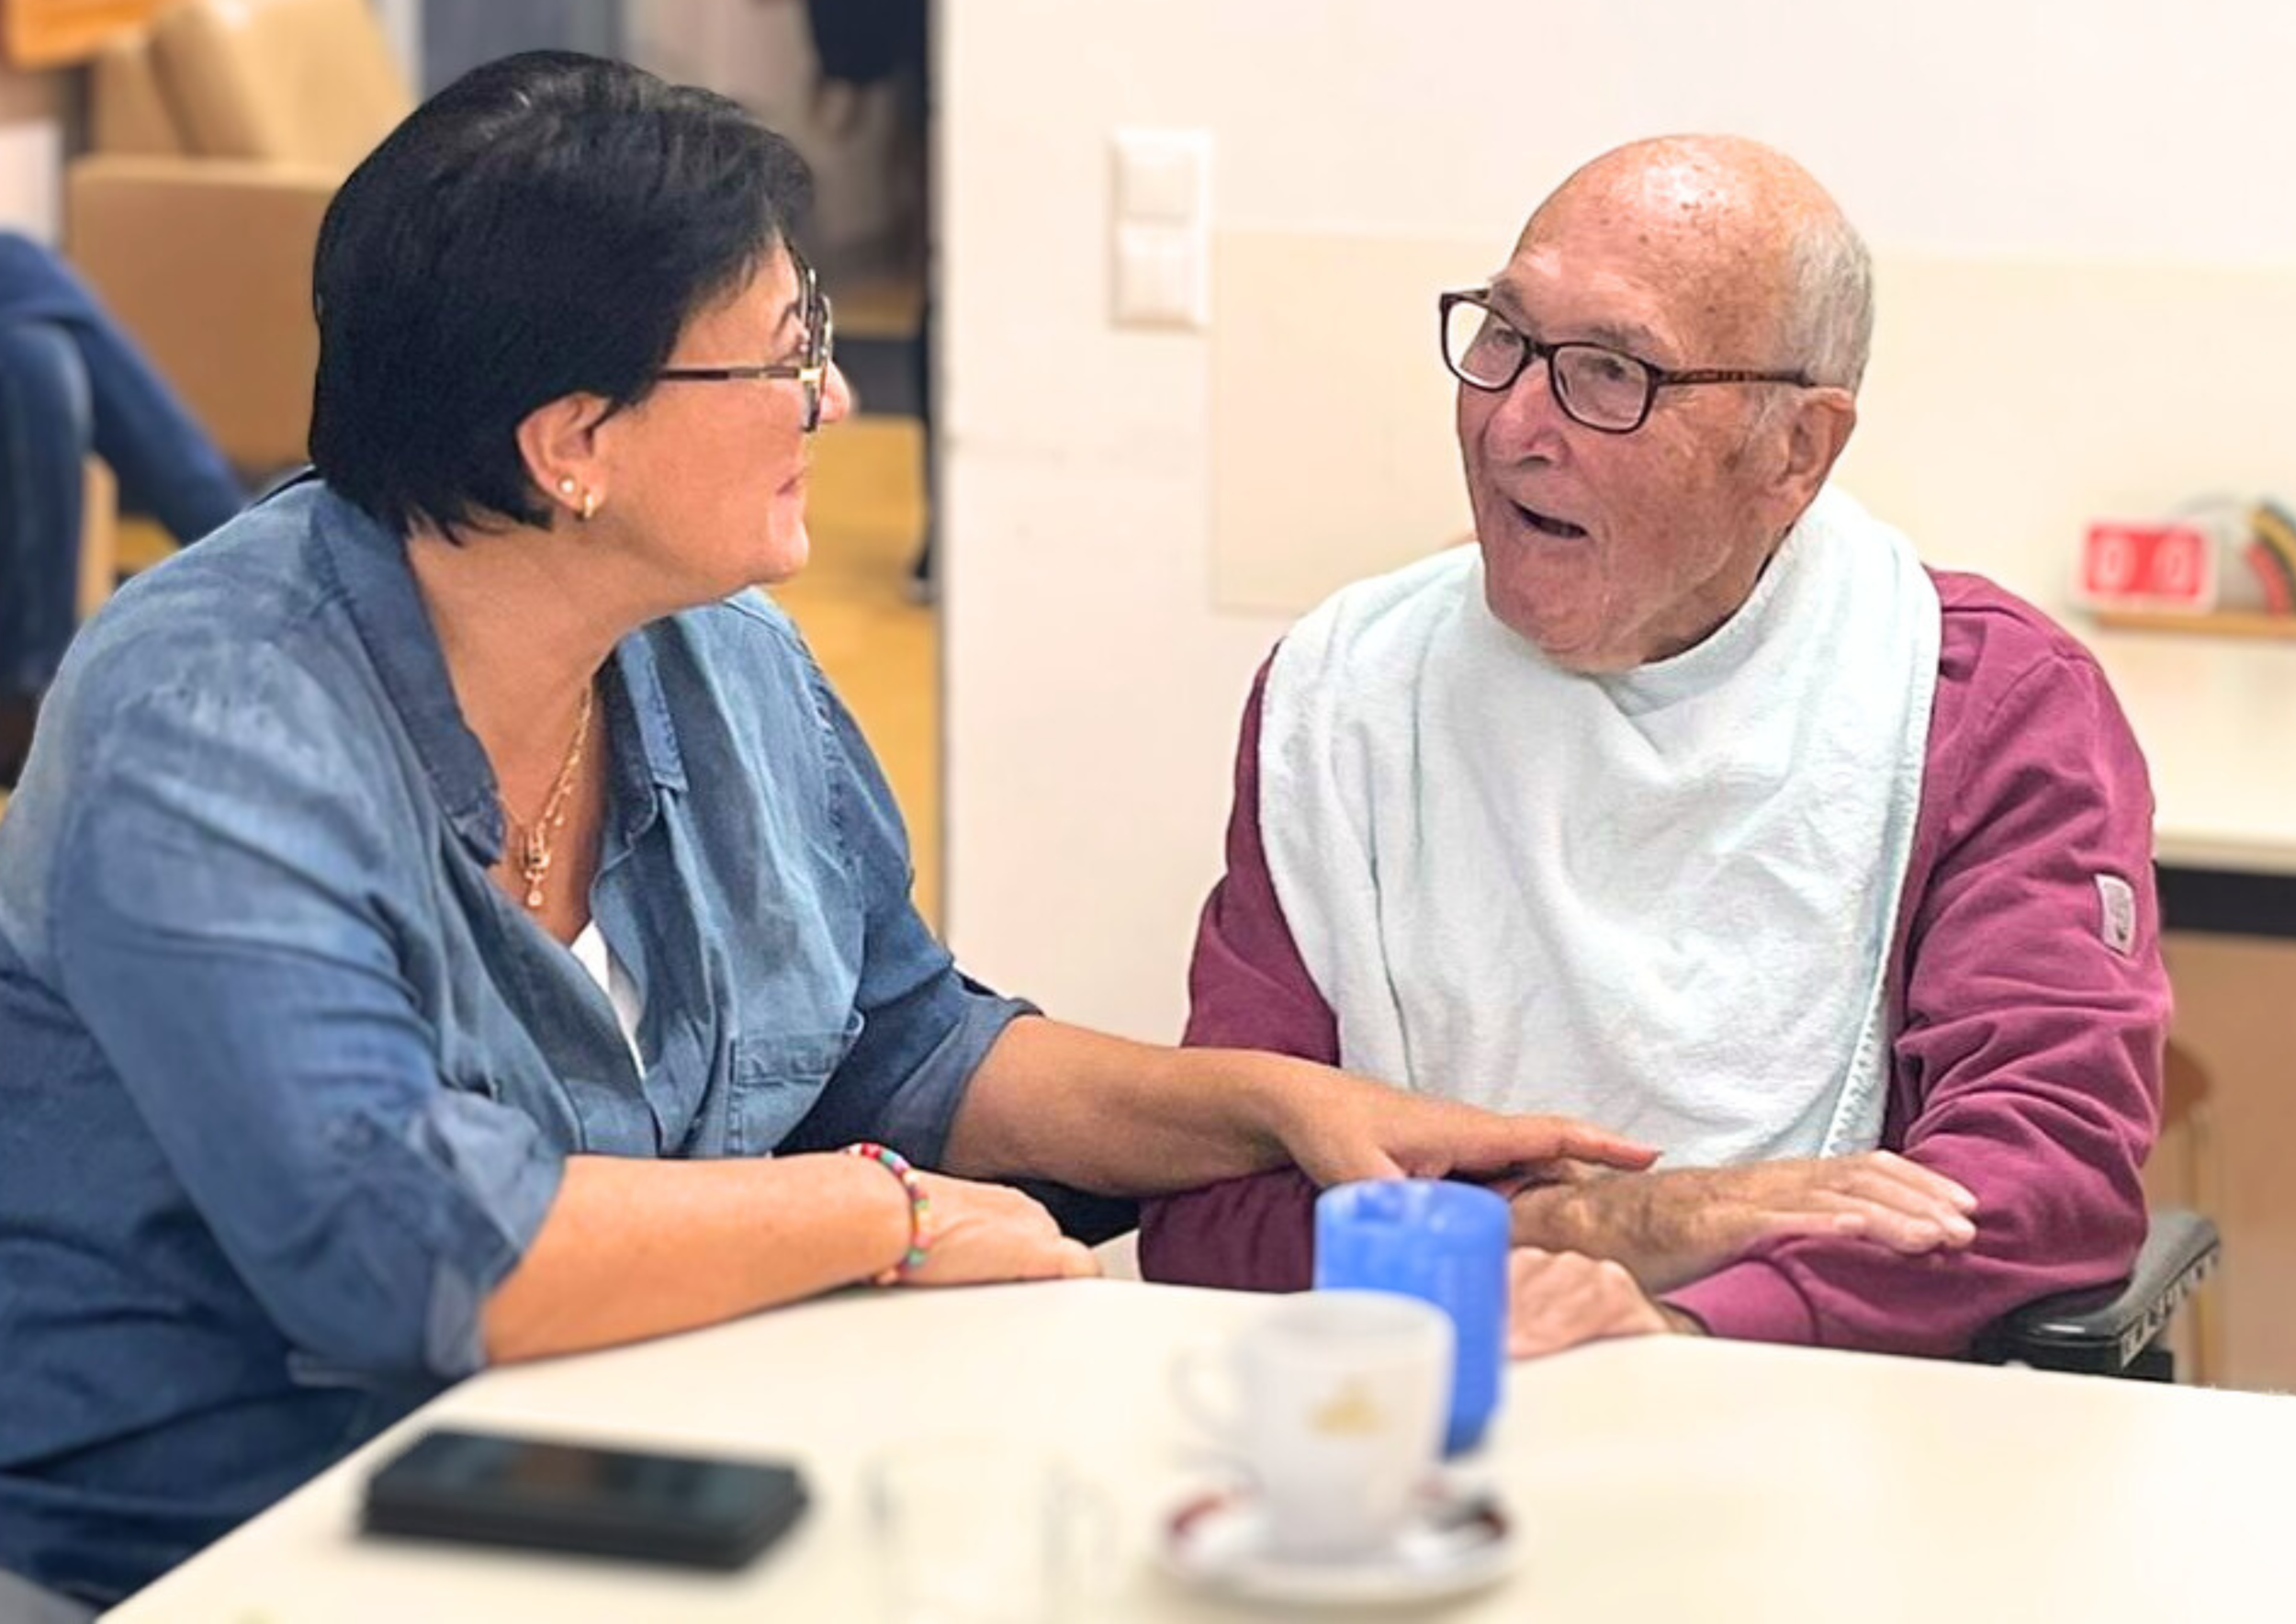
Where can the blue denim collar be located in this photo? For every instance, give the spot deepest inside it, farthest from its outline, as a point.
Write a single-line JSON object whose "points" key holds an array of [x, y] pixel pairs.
{"points": [[649, 708], [370, 567]]}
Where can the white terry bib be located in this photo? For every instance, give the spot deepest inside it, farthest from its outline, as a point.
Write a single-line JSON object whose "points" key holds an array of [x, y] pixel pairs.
{"points": [[1662, 901]]}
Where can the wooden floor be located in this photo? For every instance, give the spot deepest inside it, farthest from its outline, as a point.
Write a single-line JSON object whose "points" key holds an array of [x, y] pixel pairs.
{"points": [[882, 651]]}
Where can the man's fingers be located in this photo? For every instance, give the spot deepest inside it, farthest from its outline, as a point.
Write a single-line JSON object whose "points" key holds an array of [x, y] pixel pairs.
{"points": [[1558, 1301], [1825, 1217], [1928, 1180], [1902, 1187], [1889, 1225]]}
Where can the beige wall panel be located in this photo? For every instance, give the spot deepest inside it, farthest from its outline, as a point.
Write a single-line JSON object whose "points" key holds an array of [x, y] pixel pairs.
{"points": [[1332, 455]]}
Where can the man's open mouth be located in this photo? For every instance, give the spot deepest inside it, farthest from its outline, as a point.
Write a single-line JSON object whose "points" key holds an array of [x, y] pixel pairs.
{"points": [[1547, 523]]}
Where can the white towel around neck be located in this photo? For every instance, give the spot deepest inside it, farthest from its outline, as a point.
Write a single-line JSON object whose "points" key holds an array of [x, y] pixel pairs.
{"points": [[1663, 901]]}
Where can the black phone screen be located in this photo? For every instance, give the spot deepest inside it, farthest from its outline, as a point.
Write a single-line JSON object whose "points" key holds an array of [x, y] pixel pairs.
{"points": [[499, 1489]]}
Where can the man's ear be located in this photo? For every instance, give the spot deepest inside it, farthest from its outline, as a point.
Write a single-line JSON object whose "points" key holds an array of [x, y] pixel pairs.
{"points": [[1816, 434], [558, 444]]}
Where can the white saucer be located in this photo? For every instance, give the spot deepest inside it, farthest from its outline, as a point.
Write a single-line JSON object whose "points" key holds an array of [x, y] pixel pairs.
{"points": [[1459, 1538]]}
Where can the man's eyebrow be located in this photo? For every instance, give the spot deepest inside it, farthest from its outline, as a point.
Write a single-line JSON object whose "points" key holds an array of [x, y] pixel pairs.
{"points": [[1630, 336]]}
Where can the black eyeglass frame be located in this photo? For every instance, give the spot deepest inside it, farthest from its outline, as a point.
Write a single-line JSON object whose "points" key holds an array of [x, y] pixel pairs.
{"points": [[1533, 350], [813, 372]]}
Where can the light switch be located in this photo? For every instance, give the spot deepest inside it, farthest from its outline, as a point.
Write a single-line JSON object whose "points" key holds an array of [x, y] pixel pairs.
{"points": [[1162, 277], [1162, 229], [1163, 176]]}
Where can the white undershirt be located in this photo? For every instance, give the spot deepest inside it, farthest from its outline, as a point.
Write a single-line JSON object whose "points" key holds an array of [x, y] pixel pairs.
{"points": [[591, 951]]}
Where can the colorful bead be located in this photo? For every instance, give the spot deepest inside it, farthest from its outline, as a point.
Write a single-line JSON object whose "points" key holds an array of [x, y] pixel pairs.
{"points": [[920, 1209]]}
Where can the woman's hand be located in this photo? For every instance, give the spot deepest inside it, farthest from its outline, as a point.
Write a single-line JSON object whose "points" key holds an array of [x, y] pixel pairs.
{"points": [[1338, 1127], [985, 1233]]}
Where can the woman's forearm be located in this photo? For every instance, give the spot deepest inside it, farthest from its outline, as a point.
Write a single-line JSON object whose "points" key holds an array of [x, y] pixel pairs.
{"points": [[635, 1249], [1099, 1113], [1102, 1114]]}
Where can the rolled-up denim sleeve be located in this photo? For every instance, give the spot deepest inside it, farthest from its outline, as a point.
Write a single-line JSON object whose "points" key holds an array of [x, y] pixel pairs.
{"points": [[925, 1026], [223, 908]]}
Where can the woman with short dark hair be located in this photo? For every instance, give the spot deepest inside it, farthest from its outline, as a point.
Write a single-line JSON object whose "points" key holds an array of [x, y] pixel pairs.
{"points": [[448, 918]]}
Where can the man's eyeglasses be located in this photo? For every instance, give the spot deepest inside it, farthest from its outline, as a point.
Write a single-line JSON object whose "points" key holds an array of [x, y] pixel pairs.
{"points": [[812, 371], [1606, 390]]}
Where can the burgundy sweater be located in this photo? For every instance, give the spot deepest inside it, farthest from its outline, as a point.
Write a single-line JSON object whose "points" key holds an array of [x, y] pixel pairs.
{"points": [[2026, 1050]]}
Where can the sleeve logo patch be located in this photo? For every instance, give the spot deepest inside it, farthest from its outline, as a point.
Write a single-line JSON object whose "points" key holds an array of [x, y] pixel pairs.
{"points": [[2117, 913]]}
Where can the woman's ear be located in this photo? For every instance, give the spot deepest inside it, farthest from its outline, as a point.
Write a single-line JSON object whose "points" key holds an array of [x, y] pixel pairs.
{"points": [[558, 444]]}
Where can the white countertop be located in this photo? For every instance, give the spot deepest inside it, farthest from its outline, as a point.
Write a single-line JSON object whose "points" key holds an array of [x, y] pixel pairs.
{"points": [[2217, 719], [1661, 1479]]}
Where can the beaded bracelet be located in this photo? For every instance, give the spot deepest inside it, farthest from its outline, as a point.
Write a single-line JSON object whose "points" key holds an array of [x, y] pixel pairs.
{"points": [[920, 1210]]}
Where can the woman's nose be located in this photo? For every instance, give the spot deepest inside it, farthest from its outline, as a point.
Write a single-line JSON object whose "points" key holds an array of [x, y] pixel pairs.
{"points": [[836, 395]]}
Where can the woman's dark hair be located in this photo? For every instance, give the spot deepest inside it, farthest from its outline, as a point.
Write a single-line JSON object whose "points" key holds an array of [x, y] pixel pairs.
{"points": [[544, 226]]}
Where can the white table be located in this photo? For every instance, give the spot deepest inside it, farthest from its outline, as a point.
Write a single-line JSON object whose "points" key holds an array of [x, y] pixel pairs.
{"points": [[1663, 1479]]}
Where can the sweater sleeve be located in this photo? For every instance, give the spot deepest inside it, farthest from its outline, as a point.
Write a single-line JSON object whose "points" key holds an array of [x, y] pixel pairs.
{"points": [[2034, 1013], [1247, 990]]}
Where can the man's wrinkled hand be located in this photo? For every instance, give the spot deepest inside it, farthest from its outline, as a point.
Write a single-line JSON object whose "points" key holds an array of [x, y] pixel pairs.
{"points": [[1559, 1300], [1674, 1227]]}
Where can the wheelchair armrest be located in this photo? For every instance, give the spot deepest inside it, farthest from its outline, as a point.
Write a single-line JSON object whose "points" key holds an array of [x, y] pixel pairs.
{"points": [[2101, 1331]]}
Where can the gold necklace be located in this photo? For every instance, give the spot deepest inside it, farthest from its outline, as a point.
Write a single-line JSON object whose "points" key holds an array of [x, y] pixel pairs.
{"points": [[534, 864]]}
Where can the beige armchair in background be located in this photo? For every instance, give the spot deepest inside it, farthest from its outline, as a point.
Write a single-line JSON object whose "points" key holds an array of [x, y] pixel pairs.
{"points": [[217, 138]]}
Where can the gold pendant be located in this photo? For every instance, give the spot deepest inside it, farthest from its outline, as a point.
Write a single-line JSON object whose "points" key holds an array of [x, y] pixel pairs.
{"points": [[535, 868]]}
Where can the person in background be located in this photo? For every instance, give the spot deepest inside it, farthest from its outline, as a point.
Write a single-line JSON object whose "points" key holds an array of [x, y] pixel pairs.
{"points": [[447, 917], [1686, 798], [73, 385], [859, 43]]}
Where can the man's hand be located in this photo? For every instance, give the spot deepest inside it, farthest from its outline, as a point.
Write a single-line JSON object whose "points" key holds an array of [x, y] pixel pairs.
{"points": [[1337, 1127], [1674, 1227], [1557, 1299]]}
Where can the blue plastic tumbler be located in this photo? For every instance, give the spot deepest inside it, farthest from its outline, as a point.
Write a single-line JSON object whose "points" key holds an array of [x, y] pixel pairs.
{"points": [[1428, 1239]]}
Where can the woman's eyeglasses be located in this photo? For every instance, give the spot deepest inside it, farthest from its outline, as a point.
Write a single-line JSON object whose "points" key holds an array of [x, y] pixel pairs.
{"points": [[812, 372]]}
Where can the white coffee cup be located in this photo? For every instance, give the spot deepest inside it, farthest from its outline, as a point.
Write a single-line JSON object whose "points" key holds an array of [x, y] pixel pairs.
{"points": [[1334, 1402]]}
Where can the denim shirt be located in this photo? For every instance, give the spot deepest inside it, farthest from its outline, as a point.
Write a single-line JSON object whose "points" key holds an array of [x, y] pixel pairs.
{"points": [[286, 1082]]}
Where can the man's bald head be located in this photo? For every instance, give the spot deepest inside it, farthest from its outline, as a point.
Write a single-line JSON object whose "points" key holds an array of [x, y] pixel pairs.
{"points": [[1734, 302], [1763, 250]]}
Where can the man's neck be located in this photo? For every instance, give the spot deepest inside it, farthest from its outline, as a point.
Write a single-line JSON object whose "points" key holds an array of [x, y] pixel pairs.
{"points": [[1732, 587]]}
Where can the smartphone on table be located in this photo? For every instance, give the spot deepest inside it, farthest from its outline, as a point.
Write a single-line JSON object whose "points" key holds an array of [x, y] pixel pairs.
{"points": [[497, 1489]]}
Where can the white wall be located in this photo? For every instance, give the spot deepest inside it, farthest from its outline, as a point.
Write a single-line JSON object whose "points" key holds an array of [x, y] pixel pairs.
{"points": [[32, 153], [1093, 686], [402, 26]]}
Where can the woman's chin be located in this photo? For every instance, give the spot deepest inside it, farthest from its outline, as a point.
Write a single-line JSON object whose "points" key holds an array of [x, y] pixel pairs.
{"points": [[788, 549]]}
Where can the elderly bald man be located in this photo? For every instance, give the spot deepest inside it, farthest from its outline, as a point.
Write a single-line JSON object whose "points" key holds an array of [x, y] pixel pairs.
{"points": [[1686, 799]]}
